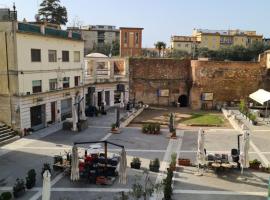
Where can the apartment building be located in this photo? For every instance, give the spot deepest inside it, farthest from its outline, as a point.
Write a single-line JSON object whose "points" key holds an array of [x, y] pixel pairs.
{"points": [[184, 43], [97, 35], [214, 39], [42, 73], [106, 80]]}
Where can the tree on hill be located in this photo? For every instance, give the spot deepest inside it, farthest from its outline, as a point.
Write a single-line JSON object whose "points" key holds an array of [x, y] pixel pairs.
{"points": [[160, 46], [52, 12]]}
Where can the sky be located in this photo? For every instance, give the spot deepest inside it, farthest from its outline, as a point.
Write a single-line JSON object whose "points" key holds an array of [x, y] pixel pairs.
{"points": [[161, 18]]}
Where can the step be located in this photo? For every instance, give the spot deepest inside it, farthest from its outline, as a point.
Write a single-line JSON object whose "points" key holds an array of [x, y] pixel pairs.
{"points": [[3, 128], [6, 134], [7, 141], [5, 131], [6, 137]]}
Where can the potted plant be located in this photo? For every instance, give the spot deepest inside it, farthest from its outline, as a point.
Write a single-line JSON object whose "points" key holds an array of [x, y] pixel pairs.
{"points": [[157, 128], [31, 179], [255, 164], [173, 161], [183, 162], [114, 128], [154, 165], [46, 166], [145, 128], [6, 196], [136, 163], [252, 117], [168, 185], [173, 136], [18, 188]]}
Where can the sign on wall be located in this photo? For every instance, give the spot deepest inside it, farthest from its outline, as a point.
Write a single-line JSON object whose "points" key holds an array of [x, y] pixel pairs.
{"points": [[163, 93], [207, 96]]}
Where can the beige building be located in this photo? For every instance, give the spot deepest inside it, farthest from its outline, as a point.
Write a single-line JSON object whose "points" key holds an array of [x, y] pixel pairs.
{"points": [[183, 43], [107, 80], [97, 35], [42, 72]]}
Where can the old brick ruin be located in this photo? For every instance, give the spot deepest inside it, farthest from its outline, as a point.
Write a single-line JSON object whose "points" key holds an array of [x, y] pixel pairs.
{"points": [[164, 81]]}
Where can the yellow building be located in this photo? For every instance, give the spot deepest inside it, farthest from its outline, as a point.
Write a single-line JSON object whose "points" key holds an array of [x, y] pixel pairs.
{"points": [[215, 39]]}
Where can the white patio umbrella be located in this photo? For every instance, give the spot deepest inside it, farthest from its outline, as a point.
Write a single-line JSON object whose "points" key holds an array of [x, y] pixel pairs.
{"points": [[74, 175], [123, 167], [200, 151], [74, 117], [46, 189], [244, 159], [82, 108]]}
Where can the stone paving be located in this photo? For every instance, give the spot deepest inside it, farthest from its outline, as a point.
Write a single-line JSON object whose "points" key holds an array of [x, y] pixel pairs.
{"points": [[32, 153]]}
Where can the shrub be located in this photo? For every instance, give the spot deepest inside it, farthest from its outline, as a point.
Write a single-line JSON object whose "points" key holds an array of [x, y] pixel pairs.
{"points": [[173, 159], [6, 196], [31, 179], [151, 128], [18, 188], [168, 185], [136, 160]]}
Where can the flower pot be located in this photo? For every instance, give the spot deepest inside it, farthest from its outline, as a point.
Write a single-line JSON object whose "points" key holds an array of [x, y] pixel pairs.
{"points": [[115, 130], [173, 167], [19, 193], [183, 162], [135, 165], [153, 168]]}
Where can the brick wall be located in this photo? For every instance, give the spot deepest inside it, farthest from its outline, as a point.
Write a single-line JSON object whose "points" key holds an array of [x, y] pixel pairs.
{"points": [[147, 76], [228, 81]]}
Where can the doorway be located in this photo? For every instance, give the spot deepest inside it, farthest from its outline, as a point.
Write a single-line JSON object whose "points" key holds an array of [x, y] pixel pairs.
{"points": [[53, 111], [37, 115], [99, 98], [183, 100], [107, 98]]}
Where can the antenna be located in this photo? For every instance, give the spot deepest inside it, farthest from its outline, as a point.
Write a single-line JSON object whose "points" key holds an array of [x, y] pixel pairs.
{"points": [[14, 7]]}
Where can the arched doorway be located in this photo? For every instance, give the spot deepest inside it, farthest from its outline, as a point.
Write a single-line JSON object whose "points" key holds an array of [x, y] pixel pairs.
{"points": [[183, 100]]}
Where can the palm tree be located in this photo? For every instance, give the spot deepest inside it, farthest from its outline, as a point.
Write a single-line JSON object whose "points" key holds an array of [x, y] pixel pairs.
{"points": [[160, 46]]}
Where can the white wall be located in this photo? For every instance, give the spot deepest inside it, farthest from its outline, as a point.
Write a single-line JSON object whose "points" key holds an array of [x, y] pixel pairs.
{"points": [[46, 70]]}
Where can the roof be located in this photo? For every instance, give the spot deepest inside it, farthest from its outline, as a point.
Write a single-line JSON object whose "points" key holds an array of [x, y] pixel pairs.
{"points": [[261, 96], [96, 55], [131, 28]]}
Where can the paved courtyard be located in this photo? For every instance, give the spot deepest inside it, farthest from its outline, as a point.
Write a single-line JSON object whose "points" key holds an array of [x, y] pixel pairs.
{"points": [[17, 158]]}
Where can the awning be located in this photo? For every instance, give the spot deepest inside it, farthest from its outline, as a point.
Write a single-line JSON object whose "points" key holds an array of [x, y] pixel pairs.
{"points": [[261, 96]]}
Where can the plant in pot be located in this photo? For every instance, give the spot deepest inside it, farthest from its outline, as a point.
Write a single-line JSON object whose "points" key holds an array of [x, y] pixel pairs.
{"points": [[252, 117], [157, 128], [6, 196], [145, 128], [136, 163], [154, 165], [183, 161], [31, 179], [46, 166], [167, 189], [255, 164], [18, 188], [173, 161]]}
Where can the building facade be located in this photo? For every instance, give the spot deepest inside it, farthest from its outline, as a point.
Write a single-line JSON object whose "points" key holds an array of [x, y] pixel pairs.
{"points": [[106, 80], [97, 36], [215, 39], [183, 43], [130, 42], [42, 74]]}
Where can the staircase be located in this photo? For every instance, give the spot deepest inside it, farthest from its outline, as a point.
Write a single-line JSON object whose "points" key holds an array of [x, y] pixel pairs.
{"points": [[7, 135]]}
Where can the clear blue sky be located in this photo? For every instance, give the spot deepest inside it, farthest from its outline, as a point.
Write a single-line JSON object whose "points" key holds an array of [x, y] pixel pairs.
{"points": [[162, 18]]}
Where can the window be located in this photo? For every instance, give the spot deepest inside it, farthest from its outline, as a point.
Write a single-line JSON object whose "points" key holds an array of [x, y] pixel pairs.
{"points": [[77, 56], [53, 84], [137, 38], [125, 37], [36, 86], [179, 45], [77, 80], [52, 55], [65, 56], [36, 55], [66, 82]]}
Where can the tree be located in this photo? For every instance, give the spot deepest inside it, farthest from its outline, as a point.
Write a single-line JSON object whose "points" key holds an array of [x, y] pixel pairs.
{"points": [[112, 49], [52, 12], [179, 54], [160, 46]]}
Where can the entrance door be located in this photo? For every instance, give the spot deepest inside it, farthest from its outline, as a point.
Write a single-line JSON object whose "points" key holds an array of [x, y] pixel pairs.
{"points": [[99, 98], [53, 111], [37, 117], [107, 98], [66, 109], [183, 100]]}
